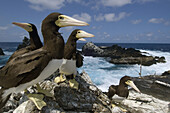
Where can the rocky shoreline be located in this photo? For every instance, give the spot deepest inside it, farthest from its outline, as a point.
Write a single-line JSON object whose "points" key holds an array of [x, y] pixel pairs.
{"points": [[118, 55], [88, 98]]}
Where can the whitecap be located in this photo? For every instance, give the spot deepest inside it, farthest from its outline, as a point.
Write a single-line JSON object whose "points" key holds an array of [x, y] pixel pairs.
{"points": [[104, 74]]}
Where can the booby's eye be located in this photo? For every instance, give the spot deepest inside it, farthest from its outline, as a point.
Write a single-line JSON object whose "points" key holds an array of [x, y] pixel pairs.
{"points": [[61, 17], [78, 32], [29, 26]]}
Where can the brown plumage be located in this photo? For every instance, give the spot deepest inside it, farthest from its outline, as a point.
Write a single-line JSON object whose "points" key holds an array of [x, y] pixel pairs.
{"points": [[35, 43], [70, 51], [33, 67], [122, 89]]}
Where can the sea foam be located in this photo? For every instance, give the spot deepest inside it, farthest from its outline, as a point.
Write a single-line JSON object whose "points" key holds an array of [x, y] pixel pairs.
{"points": [[104, 74]]}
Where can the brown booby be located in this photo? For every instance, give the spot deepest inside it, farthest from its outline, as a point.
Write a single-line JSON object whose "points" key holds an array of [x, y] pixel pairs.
{"points": [[35, 66], [69, 64], [35, 42], [122, 89]]}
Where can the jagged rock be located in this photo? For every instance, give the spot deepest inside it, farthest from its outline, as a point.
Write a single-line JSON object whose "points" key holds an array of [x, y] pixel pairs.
{"points": [[146, 61], [119, 55], [166, 73], [87, 99], [92, 50], [143, 103], [157, 86], [25, 42], [1, 52]]}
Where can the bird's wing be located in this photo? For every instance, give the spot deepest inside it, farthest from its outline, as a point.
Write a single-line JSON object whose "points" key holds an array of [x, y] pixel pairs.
{"points": [[112, 91], [23, 68], [17, 53], [79, 59]]}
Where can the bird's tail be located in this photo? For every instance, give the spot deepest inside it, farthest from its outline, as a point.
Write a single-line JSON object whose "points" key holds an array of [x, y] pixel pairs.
{"points": [[3, 100]]}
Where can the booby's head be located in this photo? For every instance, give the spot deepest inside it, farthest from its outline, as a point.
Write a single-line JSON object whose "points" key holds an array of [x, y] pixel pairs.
{"points": [[61, 20], [27, 26], [127, 81], [80, 35]]}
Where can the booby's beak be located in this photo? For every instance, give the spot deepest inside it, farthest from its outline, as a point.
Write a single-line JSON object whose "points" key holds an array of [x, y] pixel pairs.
{"points": [[26, 26], [64, 21], [130, 83], [82, 34]]}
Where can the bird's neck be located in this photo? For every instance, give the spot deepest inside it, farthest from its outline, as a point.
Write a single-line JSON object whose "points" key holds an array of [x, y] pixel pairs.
{"points": [[70, 48], [35, 40], [53, 41]]}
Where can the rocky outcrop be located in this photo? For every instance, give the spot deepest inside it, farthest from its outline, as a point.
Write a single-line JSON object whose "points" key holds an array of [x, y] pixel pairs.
{"points": [[155, 85], [1, 52], [119, 55], [25, 42], [90, 49], [166, 73], [88, 98]]}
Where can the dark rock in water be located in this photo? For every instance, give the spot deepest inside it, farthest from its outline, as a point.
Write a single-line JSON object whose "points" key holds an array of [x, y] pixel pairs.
{"points": [[25, 43], [1, 52], [119, 55]]}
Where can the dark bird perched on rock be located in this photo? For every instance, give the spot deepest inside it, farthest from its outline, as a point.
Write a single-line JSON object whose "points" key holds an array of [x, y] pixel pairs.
{"points": [[70, 59], [35, 42], [35, 66], [122, 89]]}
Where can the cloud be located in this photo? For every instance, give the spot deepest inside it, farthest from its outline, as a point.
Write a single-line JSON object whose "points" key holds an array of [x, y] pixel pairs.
{"points": [[144, 1], [46, 4], [111, 17], [136, 21], [115, 3], [156, 20], [149, 34], [83, 16], [4, 27], [159, 21]]}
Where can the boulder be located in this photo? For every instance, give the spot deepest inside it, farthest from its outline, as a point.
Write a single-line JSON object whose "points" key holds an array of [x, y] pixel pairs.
{"points": [[25, 43], [90, 49], [1, 52]]}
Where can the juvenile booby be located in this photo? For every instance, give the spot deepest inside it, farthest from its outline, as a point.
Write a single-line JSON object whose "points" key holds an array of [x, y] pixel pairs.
{"points": [[35, 42], [35, 66], [69, 64], [122, 89]]}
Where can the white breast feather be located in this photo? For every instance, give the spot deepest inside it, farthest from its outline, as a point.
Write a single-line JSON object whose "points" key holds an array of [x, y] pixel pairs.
{"points": [[68, 67]]}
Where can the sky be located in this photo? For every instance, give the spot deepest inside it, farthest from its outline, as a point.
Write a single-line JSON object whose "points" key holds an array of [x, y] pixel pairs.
{"points": [[111, 21]]}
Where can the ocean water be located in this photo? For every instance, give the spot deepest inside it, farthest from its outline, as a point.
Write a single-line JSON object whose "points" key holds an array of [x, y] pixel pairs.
{"points": [[103, 73]]}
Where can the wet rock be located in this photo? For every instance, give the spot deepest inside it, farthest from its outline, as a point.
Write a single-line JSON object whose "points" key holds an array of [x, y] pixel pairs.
{"points": [[1, 52], [25, 43], [119, 55]]}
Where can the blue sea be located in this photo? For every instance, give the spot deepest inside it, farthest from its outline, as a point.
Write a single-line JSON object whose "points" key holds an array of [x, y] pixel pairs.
{"points": [[103, 73]]}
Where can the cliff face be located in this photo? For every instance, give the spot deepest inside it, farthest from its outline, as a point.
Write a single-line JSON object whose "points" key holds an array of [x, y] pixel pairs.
{"points": [[88, 98], [119, 55]]}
